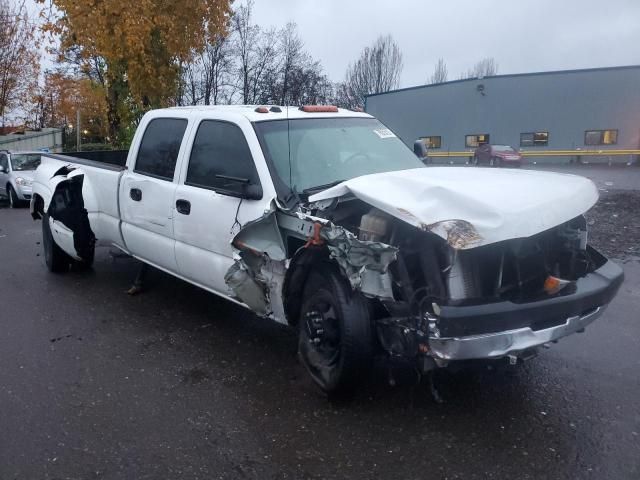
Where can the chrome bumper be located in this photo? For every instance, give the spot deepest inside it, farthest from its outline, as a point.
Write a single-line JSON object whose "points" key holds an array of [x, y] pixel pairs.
{"points": [[500, 344]]}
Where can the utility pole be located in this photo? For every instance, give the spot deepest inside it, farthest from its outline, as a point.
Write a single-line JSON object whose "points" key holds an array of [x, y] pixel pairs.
{"points": [[78, 130]]}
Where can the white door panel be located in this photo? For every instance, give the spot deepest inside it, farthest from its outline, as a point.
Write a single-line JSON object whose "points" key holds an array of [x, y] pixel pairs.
{"points": [[146, 205], [203, 237], [203, 267], [151, 246]]}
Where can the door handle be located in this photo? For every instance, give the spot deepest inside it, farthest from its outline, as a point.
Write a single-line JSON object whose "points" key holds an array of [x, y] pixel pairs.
{"points": [[135, 194], [183, 207]]}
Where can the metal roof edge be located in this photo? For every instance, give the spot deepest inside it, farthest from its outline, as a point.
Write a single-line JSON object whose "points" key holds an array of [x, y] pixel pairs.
{"points": [[508, 75]]}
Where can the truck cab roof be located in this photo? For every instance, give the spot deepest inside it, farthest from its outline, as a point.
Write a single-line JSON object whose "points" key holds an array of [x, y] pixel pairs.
{"points": [[273, 112]]}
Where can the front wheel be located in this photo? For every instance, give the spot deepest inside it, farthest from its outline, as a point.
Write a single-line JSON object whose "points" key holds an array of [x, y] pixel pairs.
{"points": [[14, 201], [56, 259], [335, 338]]}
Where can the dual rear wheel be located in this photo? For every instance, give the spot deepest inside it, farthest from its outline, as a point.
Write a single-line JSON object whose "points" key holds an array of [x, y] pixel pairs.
{"points": [[57, 260]]}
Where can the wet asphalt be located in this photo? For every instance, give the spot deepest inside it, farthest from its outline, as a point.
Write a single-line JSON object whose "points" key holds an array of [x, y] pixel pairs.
{"points": [[178, 384]]}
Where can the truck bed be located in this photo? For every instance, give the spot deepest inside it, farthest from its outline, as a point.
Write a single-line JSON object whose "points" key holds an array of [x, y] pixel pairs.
{"points": [[93, 178], [110, 159]]}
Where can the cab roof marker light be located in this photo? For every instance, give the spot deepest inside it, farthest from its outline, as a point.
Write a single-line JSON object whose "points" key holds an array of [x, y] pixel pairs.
{"points": [[262, 110], [319, 108]]}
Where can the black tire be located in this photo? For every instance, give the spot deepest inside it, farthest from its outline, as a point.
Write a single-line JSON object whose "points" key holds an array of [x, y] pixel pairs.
{"points": [[56, 259], [14, 201], [335, 342]]}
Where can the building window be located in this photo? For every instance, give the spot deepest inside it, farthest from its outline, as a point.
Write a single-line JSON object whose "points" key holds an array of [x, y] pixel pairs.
{"points": [[534, 139], [432, 141], [601, 137], [472, 141]]}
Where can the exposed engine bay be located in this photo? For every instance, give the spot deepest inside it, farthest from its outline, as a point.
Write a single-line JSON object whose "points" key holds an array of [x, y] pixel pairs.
{"points": [[422, 292], [428, 274]]}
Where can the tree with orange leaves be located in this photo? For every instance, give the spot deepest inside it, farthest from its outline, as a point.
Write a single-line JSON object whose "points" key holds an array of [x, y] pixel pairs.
{"points": [[59, 98], [137, 46]]}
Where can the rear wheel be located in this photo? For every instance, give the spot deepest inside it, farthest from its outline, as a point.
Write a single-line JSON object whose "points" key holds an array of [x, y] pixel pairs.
{"points": [[335, 340], [56, 259]]}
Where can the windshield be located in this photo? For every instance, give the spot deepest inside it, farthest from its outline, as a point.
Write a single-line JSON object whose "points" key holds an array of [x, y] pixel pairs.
{"points": [[329, 150], [25, 162], [502, 148]]}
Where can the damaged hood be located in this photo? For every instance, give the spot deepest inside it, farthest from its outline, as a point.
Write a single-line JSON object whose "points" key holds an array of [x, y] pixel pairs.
{"points": [[471, 207]]}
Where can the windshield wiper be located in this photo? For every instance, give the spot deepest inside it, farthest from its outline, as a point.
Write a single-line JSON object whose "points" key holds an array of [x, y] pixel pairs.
{"points": [[319, 188]]}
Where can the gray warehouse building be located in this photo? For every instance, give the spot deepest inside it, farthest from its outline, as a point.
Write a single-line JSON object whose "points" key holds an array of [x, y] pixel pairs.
{"points": [[594, 113]]}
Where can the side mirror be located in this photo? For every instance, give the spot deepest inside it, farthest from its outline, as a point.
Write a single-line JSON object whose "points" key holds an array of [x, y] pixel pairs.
{"points": [[251, 192], [4, 170], [247, 189]]}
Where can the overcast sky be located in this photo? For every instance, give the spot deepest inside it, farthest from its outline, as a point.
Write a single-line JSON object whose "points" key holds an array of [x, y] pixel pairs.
{"points": [[522, 35]]}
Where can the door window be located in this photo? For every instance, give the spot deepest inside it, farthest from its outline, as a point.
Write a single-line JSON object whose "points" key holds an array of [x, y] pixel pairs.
{"points": [[160, 146], [4, 163], [221, 159]]}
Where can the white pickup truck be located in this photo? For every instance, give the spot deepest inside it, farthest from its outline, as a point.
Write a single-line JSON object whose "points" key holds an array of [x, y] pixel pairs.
{"points": [[323, 219]]}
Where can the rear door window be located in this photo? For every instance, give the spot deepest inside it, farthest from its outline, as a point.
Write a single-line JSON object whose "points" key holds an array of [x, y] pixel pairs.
{"points": [[159, 148], [221, 159]]}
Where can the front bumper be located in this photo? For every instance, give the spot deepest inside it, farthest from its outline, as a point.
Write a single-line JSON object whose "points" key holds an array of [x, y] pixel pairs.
{"points": [[24, 192], [496, 345], [504, 328]]}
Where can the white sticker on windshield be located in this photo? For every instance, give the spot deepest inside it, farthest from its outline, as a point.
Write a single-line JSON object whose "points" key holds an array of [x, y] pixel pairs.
{"points": [[384, 133]]}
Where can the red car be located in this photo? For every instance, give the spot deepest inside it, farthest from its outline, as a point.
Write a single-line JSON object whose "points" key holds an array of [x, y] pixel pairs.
{"points": [[497, 156]]}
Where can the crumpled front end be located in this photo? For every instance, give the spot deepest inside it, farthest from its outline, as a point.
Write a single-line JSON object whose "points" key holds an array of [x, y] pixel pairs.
{"points": [[447, 301], [438, 289]]}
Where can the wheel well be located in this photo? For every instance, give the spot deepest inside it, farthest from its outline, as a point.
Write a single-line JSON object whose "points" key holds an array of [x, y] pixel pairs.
{"points": [[302, 263], [38, 207], [67, 207]]}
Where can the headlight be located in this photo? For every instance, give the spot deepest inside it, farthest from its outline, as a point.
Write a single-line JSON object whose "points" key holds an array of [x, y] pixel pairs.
{"points": [[23, 182]]}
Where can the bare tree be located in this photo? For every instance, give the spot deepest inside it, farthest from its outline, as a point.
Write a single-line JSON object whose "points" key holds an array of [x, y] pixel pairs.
{"points": [[377, 70], [217, 64], [19, 57], [487, 67], [440, 73], [245, 38], [189, 83], [291, 48], [266, 63], [256, 53], [254, 66]]}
